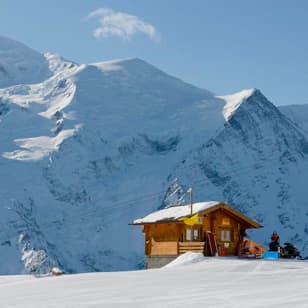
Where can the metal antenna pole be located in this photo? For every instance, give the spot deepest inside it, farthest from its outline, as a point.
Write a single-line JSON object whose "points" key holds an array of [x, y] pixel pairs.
{"points": [[191, 200]]}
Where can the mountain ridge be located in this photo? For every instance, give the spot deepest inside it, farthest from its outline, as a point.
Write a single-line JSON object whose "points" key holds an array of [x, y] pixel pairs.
{"points": [[94, 146]]}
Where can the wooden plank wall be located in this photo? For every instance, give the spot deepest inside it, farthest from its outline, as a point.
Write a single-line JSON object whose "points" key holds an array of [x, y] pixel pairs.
{"points": [[168, 238], [161, 239], [222, 220], [165, 248]]}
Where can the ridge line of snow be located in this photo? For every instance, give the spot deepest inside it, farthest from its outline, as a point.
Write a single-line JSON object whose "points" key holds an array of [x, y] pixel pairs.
{"points": [[112, 65], [234, 101]]}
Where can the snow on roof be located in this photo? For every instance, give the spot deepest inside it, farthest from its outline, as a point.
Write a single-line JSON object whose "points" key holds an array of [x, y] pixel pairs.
{"points": [[233, 101], [175, 212]]}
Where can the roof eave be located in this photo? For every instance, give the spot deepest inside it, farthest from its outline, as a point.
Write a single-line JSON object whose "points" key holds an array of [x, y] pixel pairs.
{"points": [[155, 222], [253, 224]]}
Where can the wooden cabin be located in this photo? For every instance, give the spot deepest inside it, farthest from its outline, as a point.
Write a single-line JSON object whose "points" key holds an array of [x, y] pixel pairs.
{"points": [[178, 229]]}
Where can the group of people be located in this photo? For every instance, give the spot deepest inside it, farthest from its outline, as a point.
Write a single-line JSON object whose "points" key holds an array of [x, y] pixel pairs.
{"points": [[288, 251], [250, 248]]}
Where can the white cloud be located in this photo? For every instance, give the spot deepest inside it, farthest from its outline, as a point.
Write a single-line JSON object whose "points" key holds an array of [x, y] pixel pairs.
{"points": [[120, 24]]}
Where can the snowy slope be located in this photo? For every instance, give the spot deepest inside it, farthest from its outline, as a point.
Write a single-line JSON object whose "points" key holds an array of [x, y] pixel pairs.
{"points": [[89, 149], [189, 282], [298, 114], [20, 64]]}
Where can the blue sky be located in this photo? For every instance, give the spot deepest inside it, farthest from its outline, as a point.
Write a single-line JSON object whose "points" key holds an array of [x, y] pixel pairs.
{"points": [[223, 46]]}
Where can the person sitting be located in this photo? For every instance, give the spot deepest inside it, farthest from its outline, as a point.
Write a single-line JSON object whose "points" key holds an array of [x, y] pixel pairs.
{"points": [[274, 244]]}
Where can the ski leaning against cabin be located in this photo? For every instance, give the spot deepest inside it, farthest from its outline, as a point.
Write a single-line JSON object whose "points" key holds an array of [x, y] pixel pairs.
{"points": [[87, 148]]}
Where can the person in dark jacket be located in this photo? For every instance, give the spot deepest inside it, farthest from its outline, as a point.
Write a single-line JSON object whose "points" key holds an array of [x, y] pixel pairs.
{"points": [[274, 244]]}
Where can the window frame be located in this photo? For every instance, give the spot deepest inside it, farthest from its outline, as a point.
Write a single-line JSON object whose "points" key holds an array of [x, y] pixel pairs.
{"points": [[192, 234], [226, 235], [188, 234]]}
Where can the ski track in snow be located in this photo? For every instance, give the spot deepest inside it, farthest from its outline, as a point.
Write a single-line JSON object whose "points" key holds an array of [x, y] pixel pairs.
{"points": [[212, 282]]}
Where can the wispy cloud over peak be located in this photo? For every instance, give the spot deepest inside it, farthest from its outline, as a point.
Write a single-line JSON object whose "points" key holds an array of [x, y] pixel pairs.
{"points": [[120, 24]]}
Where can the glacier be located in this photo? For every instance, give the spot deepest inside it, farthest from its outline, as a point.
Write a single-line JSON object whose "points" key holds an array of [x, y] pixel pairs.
{"points": [[85, 149]]}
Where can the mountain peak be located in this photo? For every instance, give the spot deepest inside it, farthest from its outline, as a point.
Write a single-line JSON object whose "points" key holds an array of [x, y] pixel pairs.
{"points": [[131, 65], [137, 73], [233, 101]]}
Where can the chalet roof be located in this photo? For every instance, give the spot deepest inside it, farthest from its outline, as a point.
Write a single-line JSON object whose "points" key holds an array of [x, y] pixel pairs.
{"points": [[173, 213]]}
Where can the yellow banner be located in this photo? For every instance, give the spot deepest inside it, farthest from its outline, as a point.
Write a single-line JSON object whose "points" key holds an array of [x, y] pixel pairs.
{"points": [[190, 221]]}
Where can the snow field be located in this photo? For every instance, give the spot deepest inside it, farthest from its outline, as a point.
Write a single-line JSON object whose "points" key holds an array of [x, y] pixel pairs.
{"points": [[190, 281]]}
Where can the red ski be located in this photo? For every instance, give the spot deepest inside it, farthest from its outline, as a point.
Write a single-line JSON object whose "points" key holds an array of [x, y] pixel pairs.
{"points": [[211, 239]]}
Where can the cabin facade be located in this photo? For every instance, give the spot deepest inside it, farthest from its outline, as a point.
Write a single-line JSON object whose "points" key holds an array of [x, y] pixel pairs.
{"points": [[209, 227]]}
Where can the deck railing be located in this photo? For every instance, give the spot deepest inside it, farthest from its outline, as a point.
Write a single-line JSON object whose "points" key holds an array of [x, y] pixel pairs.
{"points": [[191, 246]]}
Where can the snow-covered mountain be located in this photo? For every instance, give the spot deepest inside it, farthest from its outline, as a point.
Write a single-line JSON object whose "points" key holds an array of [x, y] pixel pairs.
{"points": [[258, 162], [88, 148], [20, 64]]}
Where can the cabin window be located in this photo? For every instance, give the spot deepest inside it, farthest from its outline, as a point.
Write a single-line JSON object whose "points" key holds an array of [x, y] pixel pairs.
{"points": [[225, 235], [196, 234], [188, 234], [192, 234]]}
